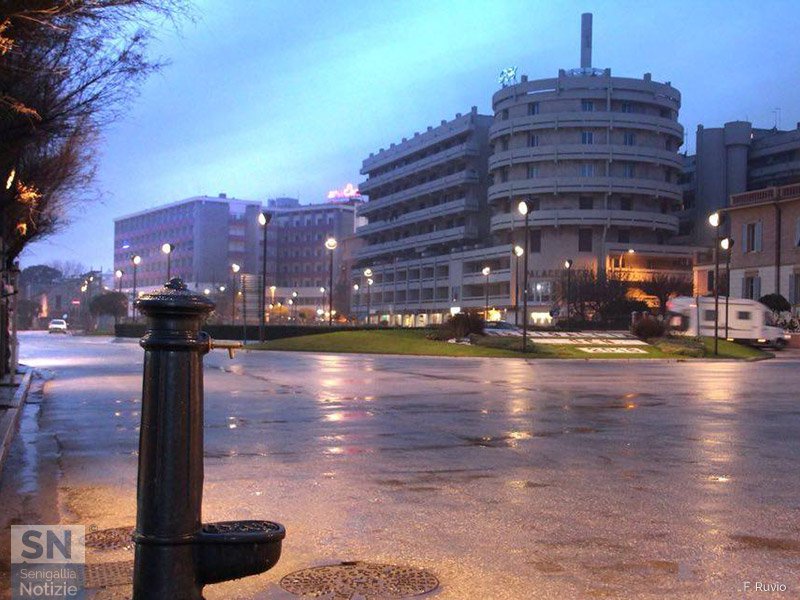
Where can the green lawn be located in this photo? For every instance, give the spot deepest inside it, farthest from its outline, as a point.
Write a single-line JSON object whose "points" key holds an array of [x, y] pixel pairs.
{"points": [[414, 342]]}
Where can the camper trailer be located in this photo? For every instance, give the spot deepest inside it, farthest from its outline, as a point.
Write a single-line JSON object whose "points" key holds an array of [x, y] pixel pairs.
{"points": [[748, 321]]}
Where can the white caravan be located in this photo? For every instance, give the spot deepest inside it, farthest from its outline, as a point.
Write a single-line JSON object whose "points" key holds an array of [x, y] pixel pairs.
{"points": [[748, 320]]}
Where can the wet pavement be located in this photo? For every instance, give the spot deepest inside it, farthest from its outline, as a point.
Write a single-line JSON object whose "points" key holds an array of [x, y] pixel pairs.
{"points": [[508, 479]]}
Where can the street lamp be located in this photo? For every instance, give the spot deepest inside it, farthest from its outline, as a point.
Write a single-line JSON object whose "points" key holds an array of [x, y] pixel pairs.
{"points": [[136, 261], [355, 289], [368, 275], [518, 252], [727, 245], [715, 220], [235, 268], [330, 245], [118, 274], [263, 219], [486, 272], [523, 210], [568, 267], [167, 249], [293, 302]]}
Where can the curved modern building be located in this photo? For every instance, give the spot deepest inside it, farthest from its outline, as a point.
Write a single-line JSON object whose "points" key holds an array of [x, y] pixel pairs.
{"points": [[596, 159]]}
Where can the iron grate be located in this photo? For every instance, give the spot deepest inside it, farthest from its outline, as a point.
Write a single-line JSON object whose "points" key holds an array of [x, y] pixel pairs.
{"points": [[109, 574], [118, 538], [350, 580]]}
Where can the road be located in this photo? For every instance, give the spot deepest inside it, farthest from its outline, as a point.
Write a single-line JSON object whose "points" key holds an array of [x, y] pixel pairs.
{"points": [[509, 479]]}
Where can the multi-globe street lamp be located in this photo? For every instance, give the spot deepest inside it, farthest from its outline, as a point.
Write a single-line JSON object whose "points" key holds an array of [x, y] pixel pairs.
{"points": [[167, 249], [263, 220], [568, 267], [518, 252], [330, 246], [715, 220], [523, 210], [486, 272], [368, 275], [727, 245]]}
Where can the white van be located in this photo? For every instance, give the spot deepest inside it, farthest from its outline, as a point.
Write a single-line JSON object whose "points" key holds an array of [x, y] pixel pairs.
{"points": [[748, 320]]}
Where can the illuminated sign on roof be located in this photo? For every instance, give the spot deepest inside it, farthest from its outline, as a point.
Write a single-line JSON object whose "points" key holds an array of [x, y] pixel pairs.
{"points": [[346, 193]]}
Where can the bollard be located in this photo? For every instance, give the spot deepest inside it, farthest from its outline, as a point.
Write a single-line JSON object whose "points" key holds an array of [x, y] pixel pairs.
{"points": [[176, 554]]}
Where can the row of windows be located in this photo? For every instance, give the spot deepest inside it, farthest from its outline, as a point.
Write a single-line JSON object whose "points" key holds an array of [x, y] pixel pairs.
{"points": [[593, 105], [585, 169], [588, 138]]}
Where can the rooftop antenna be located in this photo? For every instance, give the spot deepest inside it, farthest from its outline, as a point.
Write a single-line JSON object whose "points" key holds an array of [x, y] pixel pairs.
{"points": [[777, 113], [586, 41]]}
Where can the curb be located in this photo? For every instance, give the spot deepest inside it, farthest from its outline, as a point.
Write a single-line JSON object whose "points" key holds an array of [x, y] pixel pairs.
{"points": [[8, 422]]}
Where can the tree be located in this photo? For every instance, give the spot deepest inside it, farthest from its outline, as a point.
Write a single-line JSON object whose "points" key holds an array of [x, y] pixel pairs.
{"points": [[67, 67], [776, 303], [39, 274], [601, 298], [114, 304], [27, 311], [664, 286]]}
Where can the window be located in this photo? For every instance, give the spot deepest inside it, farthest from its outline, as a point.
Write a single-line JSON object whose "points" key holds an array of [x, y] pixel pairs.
{"points": [[584, 240], [625, 204], [624, 236], [710, 280], [533, 140], [752, 236], [587, 106], [535, 240], [751, 287], [533, 171], [504, 144], [629, 138], [533, 108], [586, 203], [628, 170], [627, 107], [503, 175], [587, 170], [709, 315], [587, 137], [744, 315], [504, 114]]}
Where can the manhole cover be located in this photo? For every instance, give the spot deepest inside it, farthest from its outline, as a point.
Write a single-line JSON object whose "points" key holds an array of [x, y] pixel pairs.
{"points": [[103, 575], [117, 538], [360, 580]]}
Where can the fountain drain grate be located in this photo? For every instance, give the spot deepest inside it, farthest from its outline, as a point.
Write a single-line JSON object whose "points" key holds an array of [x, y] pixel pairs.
{"points": [[360, 580], [109, 574], [118, 538]]}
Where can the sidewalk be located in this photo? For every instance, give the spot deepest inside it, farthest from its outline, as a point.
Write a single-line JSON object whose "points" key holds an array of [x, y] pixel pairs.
{"points": [[12, 398]]}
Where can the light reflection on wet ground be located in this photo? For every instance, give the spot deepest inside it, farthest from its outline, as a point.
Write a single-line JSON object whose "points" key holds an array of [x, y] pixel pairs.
{"points": [[509, 479]]}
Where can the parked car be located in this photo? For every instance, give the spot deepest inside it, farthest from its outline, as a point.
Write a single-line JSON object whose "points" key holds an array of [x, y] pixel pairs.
{"points": [[57, 326], [501, 328]]}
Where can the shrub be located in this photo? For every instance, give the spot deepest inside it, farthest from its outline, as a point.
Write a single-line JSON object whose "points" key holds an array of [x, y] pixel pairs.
{"points": [[465, 323], [647, 328]]}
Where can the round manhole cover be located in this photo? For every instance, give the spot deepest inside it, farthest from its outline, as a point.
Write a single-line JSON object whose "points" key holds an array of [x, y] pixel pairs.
{"points": [[360, 580], [118, 538]]}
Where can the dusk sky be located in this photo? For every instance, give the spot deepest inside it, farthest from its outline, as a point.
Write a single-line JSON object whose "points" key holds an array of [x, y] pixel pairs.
{"points": [[263, 99]]}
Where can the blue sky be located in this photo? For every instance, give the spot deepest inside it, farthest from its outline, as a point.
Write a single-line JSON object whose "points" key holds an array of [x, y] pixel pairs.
{"points": [[265, 98]]}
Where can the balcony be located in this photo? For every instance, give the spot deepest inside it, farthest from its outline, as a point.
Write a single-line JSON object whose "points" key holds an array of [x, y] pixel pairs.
{"points": [[568, 152], [418, 242], [589, 218], [601, 184], [578, 119], [467, 149], [425, 214], [437, 185]]}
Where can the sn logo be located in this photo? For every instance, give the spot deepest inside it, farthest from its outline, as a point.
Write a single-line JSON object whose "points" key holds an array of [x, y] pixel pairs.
{"points": [[47, 544]]}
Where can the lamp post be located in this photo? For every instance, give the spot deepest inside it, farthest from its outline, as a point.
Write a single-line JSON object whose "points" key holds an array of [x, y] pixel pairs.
{"points": [[272, 290], [518, 252], [523, 210], [330, 245], [135, 260], [355, 289], [293, 302], [263, 219], [727, 245], [167, 249], [235, 268], [368, 275], [486, 272], [118, 274], [568, 267], [715, 220]]}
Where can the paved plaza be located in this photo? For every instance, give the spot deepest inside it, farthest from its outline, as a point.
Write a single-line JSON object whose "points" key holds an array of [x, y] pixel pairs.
{"points": [[507, 478]]}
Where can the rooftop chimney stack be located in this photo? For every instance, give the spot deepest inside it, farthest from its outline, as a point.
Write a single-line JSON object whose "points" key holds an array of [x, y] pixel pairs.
{"points": [[586, 41]]}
